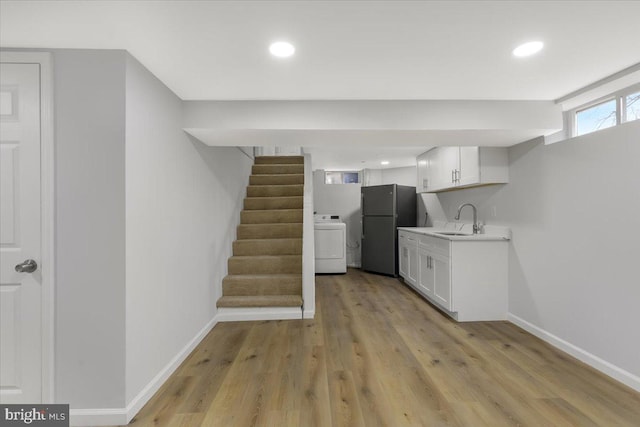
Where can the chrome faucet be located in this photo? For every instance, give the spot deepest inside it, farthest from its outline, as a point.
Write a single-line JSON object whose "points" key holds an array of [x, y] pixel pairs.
{"points": [[476, 226]]}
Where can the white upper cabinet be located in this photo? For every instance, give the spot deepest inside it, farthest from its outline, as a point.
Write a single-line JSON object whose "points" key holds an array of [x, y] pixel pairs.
{"points": [[446, 168]]}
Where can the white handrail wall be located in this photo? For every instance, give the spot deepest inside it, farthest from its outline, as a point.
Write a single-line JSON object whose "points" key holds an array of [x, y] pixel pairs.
{"points": [[308, 244]]}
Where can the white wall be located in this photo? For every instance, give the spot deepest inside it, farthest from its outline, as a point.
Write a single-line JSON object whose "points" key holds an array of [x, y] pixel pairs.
{"points": [[90, 228], [401, 176], [573, 208], [343, 200], [183, 202], [129, 296]]}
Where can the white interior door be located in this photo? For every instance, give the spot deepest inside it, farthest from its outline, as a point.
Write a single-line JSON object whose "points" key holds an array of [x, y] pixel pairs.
{"points": [[20, 235]]}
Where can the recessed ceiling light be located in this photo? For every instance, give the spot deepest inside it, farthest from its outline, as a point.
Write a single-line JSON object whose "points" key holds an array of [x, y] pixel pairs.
{"points": [[384, 162], [528, 49], [282, 49]]}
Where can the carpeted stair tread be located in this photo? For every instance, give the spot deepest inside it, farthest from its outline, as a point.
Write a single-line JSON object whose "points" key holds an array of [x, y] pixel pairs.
{"points": [[262, 284], [260, 301], [269, 231], [276, 169], [265, 203], [276, 179], [270, 216], [265, 264], [279, 160], [250, 247], [275, 190]]}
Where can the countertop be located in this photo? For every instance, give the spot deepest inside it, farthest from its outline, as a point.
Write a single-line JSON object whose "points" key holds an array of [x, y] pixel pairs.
{"points": [[490, 233]]}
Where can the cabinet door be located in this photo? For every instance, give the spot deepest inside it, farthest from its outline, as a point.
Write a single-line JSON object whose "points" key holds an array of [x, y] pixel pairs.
{"points": [[423, 181], [412, 264], [403, 257], [447, 161], [469, 168], [442, 280], [425, 273]]}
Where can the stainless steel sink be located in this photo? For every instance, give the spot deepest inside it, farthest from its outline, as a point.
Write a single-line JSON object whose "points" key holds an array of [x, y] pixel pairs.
{"points": [[452, 233]]}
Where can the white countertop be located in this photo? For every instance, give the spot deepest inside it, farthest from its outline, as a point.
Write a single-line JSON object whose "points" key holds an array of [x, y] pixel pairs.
{"points": [[489, 232]]}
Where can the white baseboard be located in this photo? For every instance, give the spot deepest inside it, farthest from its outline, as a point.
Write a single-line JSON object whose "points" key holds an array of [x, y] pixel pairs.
{"points": [[120, 416], [240, 314], [601, 365], [309, 314]]}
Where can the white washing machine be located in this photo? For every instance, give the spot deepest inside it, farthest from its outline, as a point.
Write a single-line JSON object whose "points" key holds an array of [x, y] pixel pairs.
{"points": [[330, 244]]}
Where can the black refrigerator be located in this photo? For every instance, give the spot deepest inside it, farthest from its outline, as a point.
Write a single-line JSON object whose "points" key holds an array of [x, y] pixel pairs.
{"points": [[384, 208]]}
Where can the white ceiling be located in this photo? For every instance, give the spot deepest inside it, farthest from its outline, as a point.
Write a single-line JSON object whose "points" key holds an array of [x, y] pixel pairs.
{"points": [[346, 50]]}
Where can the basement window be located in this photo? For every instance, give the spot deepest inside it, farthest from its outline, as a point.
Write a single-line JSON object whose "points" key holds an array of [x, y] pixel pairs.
{"points": [[620, 107], [597, 117], [632, 107], [341, 177]]}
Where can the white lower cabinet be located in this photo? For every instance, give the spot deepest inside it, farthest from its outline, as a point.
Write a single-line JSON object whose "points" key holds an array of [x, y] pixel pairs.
{"points": [[467, 279]]}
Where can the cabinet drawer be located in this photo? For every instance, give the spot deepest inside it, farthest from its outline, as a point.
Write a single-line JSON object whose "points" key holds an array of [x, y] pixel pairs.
{"points": [[442, 246], [434, 244], [406, 235], [426, 241]]}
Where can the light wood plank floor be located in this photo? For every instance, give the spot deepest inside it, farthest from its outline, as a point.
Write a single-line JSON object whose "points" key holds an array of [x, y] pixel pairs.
{"points": [[378, 355]]}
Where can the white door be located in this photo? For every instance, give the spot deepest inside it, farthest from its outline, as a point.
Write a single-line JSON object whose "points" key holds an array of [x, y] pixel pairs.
{"points": [[20, 234]]}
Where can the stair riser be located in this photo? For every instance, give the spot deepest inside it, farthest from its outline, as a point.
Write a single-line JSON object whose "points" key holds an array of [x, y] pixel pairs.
{"points": [[260, 301], [280, 265], [276, 169], [246, 287], [274, 190], [276, 179], [267, 247], [269, 231], [264, 203], [270, 217], [279, 160]]}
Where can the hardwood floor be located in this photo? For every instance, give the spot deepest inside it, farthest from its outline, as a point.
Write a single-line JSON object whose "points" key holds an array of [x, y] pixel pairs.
{"points": [[378, 355]]}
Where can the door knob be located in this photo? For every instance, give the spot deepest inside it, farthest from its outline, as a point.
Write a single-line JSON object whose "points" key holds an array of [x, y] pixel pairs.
{"points": [[28, 266]]}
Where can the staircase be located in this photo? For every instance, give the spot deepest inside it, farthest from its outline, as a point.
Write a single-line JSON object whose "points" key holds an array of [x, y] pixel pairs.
{"points": [[266, 267]]}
